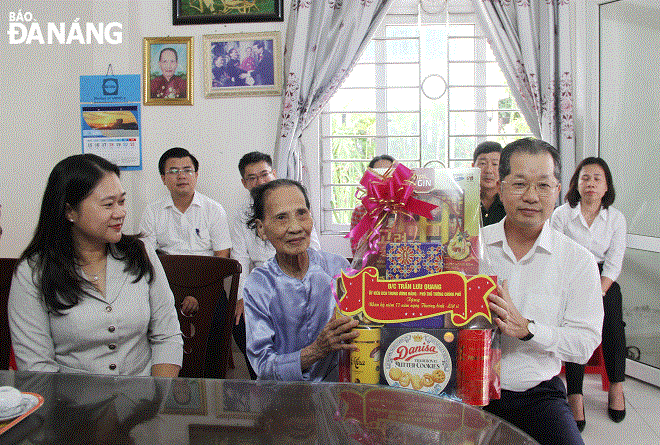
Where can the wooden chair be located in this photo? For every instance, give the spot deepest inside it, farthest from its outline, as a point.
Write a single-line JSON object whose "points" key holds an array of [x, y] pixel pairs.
{"points": [[6, 273], [202, 277]]}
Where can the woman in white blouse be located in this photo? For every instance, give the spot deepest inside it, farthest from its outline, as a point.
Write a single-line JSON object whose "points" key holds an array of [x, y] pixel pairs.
{"points": [[589, 219], [85, 297]]}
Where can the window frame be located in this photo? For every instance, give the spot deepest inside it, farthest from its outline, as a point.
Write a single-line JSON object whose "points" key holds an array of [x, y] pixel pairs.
{"points": [[381, 136]]}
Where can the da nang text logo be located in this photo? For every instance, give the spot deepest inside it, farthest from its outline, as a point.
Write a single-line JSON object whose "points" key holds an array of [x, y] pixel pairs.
{"points": [[23, 29]]}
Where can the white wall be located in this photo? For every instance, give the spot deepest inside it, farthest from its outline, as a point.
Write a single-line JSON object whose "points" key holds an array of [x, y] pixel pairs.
{"points": [[40, 120]]}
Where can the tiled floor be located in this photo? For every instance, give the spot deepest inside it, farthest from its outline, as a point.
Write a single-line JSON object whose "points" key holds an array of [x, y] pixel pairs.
{"points": [[640, 427]]}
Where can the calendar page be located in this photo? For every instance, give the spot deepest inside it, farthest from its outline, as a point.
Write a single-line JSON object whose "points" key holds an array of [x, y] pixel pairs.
{"points": [[112, 132]]}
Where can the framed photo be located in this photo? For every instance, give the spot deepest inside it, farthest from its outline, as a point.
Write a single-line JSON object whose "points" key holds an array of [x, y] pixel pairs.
{"points": [[168, 71], [242, 65], [187, 397], [237, 399], [225, 435], [197, 12]]}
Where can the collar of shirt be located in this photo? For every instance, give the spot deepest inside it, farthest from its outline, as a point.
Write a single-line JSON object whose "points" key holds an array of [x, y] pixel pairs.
{"points": [[313, 263], [543, 241], [169, 202], [576, 212]]}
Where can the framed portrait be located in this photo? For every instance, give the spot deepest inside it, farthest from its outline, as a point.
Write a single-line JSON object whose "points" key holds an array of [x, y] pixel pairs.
{"points": [[238, 399], [242, 65], [187, 397], [168, 71], [196, 12], [225, 435]]}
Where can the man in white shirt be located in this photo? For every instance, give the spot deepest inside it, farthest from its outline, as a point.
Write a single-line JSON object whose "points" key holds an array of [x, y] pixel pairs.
{"points": [[186, 222], [247, 248], [549, 306]]}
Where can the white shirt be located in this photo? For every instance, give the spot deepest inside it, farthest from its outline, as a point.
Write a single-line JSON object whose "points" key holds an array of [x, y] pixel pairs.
{"points": [[201, 230], [557, 285], [250, 250], [605, 239]]}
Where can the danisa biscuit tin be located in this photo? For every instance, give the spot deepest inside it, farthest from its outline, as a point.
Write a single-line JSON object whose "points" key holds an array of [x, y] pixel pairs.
{"points": [[422, 359]]}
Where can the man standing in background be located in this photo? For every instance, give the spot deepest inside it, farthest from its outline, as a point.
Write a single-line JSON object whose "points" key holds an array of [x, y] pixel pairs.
{"points": [[487, 157]]}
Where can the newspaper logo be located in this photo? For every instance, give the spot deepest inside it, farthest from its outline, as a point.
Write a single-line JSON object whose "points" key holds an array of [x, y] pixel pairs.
{"points": [[23, 29]]}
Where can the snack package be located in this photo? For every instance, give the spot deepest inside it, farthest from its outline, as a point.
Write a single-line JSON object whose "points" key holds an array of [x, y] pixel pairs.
{"points": [[418, 283], [451, 225], [422, 359], [478, 366]]}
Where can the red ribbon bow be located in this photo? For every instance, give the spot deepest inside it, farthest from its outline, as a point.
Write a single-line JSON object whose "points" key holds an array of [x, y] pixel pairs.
{"points": [[387, 194]]}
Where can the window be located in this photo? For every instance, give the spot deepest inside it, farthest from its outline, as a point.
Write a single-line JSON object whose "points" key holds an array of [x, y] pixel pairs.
{"points": [[427, 88]]}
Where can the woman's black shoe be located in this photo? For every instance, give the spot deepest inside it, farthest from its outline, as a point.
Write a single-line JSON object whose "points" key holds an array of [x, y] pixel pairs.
{"points": [[616, 415], [582, 423]]}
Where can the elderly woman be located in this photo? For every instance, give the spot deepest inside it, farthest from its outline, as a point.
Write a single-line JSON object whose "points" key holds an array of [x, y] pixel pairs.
{"points": [[86, 298], [589, 218], [292, 333]]}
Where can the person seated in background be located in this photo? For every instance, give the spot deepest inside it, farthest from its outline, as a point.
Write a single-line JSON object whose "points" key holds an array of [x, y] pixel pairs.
{"points": [[487, 157], [589, 218], [247, 248], [381, 161], [549, 306], [292, 330], [186, 222], [85, 297]]}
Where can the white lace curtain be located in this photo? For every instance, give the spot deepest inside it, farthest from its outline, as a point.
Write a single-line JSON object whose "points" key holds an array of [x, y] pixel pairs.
{"points": [[324, 40], [531, 41]]}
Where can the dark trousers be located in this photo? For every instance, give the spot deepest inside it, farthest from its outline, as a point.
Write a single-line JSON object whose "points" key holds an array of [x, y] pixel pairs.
{"points": [[211, 369], [614, 343], [541, 411]]}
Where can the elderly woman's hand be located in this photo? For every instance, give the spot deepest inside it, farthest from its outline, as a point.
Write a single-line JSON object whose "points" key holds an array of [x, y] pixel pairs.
{"points": [[336, 335]]}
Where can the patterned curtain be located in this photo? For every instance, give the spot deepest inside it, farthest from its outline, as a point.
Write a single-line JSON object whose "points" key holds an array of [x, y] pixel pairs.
{"points": [[324, 40], [531, 41]]}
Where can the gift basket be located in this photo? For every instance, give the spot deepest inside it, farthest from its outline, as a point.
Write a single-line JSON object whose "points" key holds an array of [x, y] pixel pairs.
{"points": [[424, 318]]}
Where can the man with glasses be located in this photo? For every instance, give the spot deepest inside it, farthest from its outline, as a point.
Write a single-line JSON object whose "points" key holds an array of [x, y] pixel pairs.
{"points": [[549, 305], [256, 169], [185, 222], [487, 157]]}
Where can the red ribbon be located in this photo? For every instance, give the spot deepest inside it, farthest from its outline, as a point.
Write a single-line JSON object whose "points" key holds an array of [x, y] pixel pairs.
{"points": [[390, 193]]}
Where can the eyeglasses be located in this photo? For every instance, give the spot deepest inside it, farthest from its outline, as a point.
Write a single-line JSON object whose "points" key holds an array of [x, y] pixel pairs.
{"points": [[176, 171], [250, 179], [543, 189]]}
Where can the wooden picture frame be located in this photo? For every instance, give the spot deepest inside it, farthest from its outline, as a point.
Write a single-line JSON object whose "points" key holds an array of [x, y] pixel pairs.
{"points": [[198, 12], [242, 64], [167, 73]]}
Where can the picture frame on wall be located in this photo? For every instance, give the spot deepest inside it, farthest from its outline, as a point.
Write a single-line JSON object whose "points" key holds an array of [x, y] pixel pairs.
{"points": [[197, 12], [242, 64], [167, 74]]}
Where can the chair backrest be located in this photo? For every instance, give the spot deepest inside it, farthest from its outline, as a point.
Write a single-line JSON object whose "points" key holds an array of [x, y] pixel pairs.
{"points": [[202, 277], [6, 273]]}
